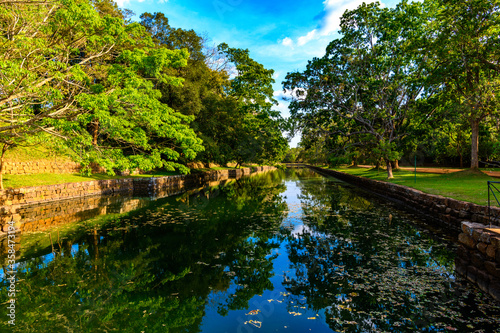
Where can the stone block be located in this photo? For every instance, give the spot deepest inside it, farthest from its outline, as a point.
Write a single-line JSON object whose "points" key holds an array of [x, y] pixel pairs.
{"points": [[492, 268], [495, 241], [485, 237], [469, 242], [467, 228], [482, 247], [478, 209], [494, 289], [491, 251], [476, 234], [472, 274], [465, 215], [461, 266], [446, 218], [483, 280], [495, 211], [477, 260]]}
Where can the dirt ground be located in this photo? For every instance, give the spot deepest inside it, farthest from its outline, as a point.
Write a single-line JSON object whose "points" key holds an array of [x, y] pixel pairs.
{"points": [[441, 170]]}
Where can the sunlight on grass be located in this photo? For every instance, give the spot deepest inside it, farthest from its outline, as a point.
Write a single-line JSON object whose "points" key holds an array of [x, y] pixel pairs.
{"points": [[463, 185], [17, 181]]}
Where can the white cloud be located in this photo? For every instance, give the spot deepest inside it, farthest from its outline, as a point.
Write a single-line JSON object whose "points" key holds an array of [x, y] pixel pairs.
{"points": [[307, 38], [122, 3], [330, 21], [287, 42], [282, 106]]}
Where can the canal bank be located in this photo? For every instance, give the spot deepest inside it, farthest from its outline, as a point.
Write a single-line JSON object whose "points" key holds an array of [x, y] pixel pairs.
{"points": [[287, 250], [478, 253], [448, 211], [14, 203]]}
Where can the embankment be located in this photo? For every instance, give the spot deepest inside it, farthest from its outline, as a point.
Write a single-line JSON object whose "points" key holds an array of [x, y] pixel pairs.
{"points": [[22, 205], [478, 254], [447, 211]]}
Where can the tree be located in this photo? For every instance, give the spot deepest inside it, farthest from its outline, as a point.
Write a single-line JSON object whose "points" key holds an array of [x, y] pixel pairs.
{"points": [[46, 54], [259, 137], [370, 80], [73, 70], [466, 49]]}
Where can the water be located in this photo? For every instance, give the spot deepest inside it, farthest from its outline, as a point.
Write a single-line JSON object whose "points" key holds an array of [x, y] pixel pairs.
{"points": [[279, 252]]}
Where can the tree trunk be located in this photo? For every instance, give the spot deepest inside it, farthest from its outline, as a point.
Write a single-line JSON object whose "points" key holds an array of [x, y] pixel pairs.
{"points": [[395, 164], [355, 161], [94, 130], [389, 169], [474, 160], [377, 165], [4, 149]]}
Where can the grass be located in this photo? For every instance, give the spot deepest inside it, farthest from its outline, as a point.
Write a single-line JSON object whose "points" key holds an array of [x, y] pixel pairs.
{"points": [[464, 185], [16, 181], [38, 152], [40, 179]]}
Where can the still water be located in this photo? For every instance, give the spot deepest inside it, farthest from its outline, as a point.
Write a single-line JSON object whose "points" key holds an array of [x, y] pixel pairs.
{"points": [[278, 252]]}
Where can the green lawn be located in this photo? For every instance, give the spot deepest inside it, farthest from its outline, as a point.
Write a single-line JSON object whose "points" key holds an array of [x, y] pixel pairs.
{"points": [[17, 181], [463, 185]]}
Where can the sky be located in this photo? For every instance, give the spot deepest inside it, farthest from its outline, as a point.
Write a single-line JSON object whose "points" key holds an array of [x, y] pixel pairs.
{"points": [[281, 35]]}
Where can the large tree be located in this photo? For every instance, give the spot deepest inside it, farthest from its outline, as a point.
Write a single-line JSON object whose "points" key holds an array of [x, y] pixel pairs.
{"points": [[370, 80], [466, 47], [258, 136], [77, 70]]}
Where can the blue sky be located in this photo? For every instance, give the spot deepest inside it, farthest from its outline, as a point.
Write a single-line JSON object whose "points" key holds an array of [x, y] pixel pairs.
{"points": [[282, 35]]}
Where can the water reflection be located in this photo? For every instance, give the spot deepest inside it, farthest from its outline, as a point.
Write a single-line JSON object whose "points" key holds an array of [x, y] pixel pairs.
{"points": [[372, 271], [282, 251]]}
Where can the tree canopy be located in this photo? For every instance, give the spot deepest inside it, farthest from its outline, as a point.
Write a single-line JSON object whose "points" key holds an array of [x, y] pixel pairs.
{"points": [[402, 79], [127, 94]]}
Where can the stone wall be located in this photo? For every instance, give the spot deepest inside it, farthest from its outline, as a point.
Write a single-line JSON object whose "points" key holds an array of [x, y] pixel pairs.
{"points": [[43, 216], [448, 211], [43, 166], [478, 257], [25, 205]]}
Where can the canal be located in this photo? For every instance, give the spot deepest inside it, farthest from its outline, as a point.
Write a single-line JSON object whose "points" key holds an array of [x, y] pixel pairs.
{"points": [[283, 251]]}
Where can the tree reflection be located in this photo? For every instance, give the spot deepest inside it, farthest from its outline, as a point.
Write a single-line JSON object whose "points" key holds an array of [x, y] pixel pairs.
{"points": [[153, 269], [370, 271]]}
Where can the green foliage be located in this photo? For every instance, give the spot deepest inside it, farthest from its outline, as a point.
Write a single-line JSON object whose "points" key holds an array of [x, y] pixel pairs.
{"points": [[233, 117], [78, 70], [421, 76], [367, 86], [465, 50]]}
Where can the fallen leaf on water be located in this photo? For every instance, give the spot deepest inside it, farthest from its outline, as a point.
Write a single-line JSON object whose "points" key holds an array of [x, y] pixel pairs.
{"points": [[255, 323], [253, 312]]}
